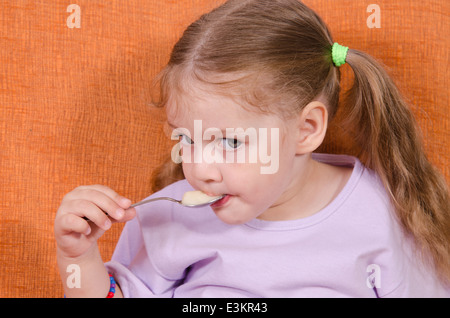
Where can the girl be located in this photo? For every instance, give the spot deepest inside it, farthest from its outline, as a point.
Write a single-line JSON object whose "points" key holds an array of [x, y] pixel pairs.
{"points": [[317, 225]]}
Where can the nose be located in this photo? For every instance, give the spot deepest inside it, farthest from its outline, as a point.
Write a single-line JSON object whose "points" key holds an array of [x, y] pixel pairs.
{"points": [[206, 172]]}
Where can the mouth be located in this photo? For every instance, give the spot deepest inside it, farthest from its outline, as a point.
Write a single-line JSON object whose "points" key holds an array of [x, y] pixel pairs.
{"points": [[221, 202]]}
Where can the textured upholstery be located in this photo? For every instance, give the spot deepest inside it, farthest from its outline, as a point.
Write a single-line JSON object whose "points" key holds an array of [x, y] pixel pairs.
{"points": [[75, 104]]}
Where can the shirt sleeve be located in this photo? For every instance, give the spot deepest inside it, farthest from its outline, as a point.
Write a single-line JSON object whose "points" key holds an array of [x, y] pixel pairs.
{"points": [[406, 273], [133, 269], [418, 280]]}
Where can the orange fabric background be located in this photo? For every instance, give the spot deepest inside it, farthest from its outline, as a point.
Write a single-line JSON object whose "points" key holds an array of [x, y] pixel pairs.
{"points": [[74, 105]]}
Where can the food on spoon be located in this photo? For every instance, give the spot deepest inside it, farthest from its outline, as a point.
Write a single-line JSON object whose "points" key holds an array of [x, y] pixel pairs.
{"points": [[196, 198]]}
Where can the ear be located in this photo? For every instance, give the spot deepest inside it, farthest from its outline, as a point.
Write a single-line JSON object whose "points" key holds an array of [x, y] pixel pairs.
{"points": [[312, 127]]}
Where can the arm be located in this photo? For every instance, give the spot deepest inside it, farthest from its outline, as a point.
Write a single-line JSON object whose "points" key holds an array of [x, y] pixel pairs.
{"points": [[93, 277], [77, 238]]}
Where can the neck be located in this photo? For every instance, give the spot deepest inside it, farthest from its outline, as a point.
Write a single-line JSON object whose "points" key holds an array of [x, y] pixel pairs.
{"points": [[290, 205]]}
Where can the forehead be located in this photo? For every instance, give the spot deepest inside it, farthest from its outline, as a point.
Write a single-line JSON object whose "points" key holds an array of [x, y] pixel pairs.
{"points": [[220, 100], [214, 110]]}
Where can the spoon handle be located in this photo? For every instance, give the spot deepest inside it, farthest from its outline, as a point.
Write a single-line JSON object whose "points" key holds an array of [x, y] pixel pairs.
{"points": [[154, 199], [146, 201]]}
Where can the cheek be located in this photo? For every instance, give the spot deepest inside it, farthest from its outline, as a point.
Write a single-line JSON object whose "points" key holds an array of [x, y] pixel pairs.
{"points": [[187, 171], [265, 189], [240, 176], [254, 187]]}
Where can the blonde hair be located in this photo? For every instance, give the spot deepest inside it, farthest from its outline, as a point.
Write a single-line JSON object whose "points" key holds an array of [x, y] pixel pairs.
{"points": [[276, 56]]}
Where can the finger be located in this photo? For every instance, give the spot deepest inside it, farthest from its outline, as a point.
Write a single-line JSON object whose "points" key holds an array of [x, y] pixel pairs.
{"points": [[71, 223], [102, 200], [120, 200], [129, 215], [89, 210]]}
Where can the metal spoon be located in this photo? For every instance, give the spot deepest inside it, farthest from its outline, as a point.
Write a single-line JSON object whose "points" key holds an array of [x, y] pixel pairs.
{"points": [[198, 205], [211, 201]]}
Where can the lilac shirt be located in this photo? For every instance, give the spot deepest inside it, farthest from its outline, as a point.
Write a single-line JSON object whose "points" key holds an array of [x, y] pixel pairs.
{"points": [[351, 248]]}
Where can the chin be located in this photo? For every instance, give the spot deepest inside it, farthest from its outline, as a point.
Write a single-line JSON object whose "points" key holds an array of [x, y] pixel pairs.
{"points": [[230, 218]]}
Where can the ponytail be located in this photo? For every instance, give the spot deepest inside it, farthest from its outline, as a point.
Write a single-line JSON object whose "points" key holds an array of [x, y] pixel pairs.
{"points": [[387, 136]]}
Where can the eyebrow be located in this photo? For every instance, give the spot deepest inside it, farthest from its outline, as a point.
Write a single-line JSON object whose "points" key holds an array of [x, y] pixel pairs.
{"points": [[222, 130]]}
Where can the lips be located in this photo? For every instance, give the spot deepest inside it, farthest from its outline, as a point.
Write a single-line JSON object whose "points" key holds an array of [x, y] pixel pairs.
{"points": [[221, 202]]}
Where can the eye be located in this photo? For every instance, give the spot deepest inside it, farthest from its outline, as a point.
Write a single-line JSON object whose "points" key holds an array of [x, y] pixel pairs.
{"points": [[229, 143], [185, 139]]}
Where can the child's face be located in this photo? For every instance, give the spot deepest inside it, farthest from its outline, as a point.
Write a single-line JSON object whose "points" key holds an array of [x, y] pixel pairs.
{"points": [[253, 166]]}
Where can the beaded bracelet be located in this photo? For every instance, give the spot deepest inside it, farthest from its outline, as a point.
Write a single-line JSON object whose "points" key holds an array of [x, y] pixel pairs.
{"points": [[112, 287]]}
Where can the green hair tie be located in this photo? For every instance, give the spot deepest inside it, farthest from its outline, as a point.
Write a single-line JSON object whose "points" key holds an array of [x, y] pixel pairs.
{"points": [[338, 54]]}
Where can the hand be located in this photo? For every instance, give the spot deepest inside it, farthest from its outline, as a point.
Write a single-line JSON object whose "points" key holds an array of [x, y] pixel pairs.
{"points": [[75, 235]]}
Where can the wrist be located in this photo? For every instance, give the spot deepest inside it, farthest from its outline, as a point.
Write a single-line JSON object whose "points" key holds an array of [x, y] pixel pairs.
{"points": [[91, 253], [112, 287], [84, 275]]}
